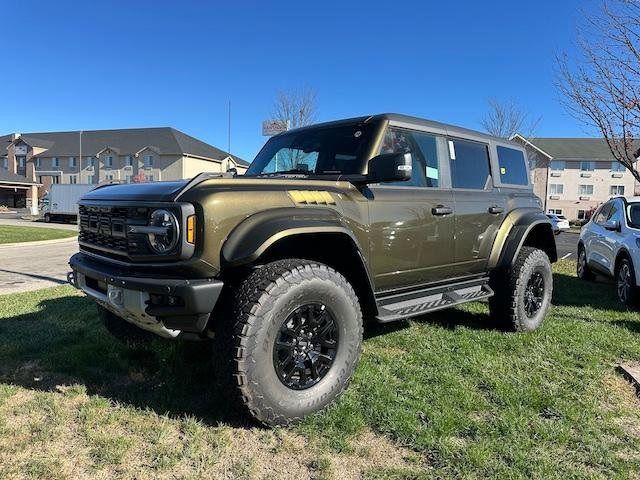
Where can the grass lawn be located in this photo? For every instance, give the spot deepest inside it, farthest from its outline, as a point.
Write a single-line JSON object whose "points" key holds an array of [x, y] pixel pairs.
{"points": [[11, 234], [445, 396]]}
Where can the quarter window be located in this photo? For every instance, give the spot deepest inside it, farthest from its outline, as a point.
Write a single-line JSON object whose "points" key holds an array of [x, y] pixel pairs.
{"points": [[512, 165], [424, 155], [469, 164], [556, 189]]}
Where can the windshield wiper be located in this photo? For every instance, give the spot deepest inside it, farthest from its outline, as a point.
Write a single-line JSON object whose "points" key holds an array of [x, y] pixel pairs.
{"points": [[286, 172]]}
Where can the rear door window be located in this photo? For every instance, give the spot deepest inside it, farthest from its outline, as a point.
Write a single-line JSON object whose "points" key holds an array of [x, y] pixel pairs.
{"points": [[513, 169], [469, 164]]}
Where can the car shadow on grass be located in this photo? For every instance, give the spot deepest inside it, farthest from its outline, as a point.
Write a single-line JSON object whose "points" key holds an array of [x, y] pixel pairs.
{"points": [[64, 343]]}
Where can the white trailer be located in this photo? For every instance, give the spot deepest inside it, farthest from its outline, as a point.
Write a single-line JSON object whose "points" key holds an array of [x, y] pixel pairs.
{"points": [[61, 203]]}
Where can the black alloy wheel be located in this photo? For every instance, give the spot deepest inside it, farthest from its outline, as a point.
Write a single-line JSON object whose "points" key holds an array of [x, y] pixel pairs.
{"points": [[306, 346], [534, 294]]}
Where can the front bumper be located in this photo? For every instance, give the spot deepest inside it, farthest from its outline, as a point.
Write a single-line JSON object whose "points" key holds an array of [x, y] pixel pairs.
{"points": [[165, 306]]}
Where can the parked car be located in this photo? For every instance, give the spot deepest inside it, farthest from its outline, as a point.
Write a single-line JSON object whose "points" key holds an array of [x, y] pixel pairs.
{"points": [[387, 216], [558, 222], [610, 245]]}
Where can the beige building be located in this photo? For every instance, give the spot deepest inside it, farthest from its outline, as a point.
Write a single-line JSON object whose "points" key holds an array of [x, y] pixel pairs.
{"points": [[572, 176], [100, 156]]}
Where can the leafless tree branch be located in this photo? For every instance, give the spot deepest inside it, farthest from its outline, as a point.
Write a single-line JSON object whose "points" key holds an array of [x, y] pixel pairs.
{"points": [[506, 118]]}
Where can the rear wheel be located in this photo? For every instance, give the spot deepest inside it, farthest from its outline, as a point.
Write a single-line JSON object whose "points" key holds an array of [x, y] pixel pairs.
{"points": [[47, 218], [626, 283], [582, 268], [296, 340], [523, 293], [122, 330]]}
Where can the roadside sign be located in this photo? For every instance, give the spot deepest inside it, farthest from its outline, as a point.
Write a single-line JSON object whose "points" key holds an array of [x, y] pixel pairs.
{"points": [[274, 127]]}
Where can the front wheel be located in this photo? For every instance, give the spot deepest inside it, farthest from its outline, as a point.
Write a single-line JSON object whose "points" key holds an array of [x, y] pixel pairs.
{"points": [[523, 293], [626, 283], [296, 340]]}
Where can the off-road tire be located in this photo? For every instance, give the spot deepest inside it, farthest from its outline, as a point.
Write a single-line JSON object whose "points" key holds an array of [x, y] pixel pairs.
{"points": [[261, 304], [630, 297], [507, 306], [123, 331], [47, 218], [583, 271]]}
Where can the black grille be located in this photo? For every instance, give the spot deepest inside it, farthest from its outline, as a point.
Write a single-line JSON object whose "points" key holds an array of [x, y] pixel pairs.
{"points": [[105, 228]]}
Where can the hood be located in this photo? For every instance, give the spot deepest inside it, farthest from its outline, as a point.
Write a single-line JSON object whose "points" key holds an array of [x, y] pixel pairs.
{"points": [[152, 191]]}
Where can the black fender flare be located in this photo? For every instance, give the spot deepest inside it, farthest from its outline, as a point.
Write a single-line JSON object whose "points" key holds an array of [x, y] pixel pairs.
{"points": [[255, 234], [512, 234]]}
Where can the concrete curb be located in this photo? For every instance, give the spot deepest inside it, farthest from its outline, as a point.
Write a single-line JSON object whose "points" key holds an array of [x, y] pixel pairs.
{"points": [[39, 242]]}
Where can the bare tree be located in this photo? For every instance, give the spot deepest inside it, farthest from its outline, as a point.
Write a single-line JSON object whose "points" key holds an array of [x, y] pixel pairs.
{"points": [[295, 108], [602, 86], [506, 118]]}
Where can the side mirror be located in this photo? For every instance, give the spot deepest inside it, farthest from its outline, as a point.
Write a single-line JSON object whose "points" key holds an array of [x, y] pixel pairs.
{"points": [[389, 167], [613, 225]]}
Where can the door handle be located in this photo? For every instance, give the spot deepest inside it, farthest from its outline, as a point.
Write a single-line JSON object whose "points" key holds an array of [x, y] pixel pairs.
{"points": [[441, 210], [496, 210]]}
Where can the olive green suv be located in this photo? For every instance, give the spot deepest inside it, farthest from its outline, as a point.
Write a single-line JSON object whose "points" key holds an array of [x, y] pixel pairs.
{"points": [[379, 218]]}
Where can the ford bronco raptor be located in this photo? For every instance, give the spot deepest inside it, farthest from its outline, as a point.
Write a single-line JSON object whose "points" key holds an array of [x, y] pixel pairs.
{"points": [[384, 217]]}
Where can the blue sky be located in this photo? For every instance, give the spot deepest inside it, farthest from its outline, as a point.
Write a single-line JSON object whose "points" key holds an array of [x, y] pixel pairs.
{"points": [[118, 64]]}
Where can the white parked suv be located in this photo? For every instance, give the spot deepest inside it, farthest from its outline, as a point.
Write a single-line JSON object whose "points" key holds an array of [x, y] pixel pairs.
{"points": [[610, 245], [559, 223]]}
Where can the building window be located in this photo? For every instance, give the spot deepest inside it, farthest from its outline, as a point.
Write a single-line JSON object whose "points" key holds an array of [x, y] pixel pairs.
{"points": [[73, 179], [109, 178], [108, 161], [91, 162], [90, 179], [616, 190], [72, 162], [38, 162], [582, 214], [128, 161], [556, 189], [148, 178], [5, 163], [22, 162], [557, 165], [587, 166], [148, 161], [585, 190], [129, 178], [55, 162], [555, 211], [55, 179], [617, 167]]}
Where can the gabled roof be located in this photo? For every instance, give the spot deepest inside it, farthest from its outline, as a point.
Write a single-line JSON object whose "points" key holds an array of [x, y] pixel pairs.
{"points": [[574, 148], [166, 140], [8, 177]]}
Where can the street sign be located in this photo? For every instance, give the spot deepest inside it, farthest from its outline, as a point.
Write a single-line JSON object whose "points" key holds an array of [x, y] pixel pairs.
{"points": [[274, 127]]}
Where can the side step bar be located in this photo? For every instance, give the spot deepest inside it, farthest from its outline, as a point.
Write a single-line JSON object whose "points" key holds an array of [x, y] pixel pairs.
{"points": [[418, 302]]}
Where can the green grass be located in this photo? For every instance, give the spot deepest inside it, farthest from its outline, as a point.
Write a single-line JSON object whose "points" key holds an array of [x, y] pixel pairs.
{"points": [[13, 234], [450, 396]]}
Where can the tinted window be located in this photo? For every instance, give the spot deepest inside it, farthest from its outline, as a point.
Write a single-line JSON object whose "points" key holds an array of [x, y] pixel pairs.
{"points": [[424, 155], [634, 215], [469, 164], [512, 166]]}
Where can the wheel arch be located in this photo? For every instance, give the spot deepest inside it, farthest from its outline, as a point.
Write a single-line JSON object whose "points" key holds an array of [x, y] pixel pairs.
{"points": [[312, 234], [524, 227]]}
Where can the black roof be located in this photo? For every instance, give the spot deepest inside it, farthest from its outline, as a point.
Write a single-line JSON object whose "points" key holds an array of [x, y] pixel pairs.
{"points": [[166, 140]]}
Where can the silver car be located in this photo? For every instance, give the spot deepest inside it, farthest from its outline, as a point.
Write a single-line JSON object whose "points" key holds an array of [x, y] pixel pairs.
{"points": [[610, 245]]}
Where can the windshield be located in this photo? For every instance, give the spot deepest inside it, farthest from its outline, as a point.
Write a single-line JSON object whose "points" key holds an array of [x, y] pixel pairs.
{"points": [[634, 215], [315, 151]]}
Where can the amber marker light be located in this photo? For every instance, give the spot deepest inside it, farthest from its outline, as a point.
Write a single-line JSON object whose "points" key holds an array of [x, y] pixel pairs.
{"points": [[191, 229]]}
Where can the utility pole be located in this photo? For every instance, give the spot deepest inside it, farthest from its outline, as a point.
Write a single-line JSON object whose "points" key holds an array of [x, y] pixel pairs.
{"points": [[229, 130], [80, 159]]}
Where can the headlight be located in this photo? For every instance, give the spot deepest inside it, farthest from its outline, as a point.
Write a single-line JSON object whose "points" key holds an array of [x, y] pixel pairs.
{"points": [[164, 231]]}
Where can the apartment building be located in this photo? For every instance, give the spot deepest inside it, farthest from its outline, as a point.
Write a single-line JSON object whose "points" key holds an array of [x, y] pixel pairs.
{"points": [[100, 156], [572, 176]]}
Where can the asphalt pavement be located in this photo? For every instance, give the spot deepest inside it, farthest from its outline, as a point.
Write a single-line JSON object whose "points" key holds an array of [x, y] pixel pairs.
{"points": [[567, 245]]}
